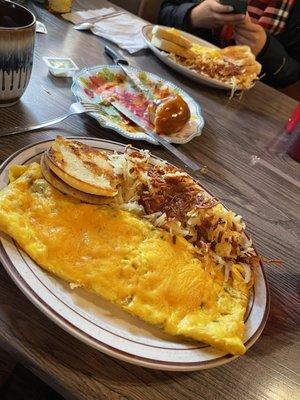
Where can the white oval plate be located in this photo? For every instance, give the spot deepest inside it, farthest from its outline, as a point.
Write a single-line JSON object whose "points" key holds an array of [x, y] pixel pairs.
{"points": [[147, 34], [99, 323], [192, 129]]}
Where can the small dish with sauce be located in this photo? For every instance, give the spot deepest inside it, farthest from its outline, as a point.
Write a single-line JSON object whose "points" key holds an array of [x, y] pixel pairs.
{"points": [[63, 67]]}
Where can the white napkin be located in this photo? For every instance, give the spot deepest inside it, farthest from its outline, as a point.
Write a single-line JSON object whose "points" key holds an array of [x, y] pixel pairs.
{"points": [[123, 30]]}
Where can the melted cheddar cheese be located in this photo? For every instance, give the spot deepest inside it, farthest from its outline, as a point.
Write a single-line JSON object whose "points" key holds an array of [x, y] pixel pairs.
{"points": [[205, 51], [144, 270]]}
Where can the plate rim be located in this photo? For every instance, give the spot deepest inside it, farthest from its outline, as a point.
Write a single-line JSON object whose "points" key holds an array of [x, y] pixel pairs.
{"points": [[75, 87], [201, 79], [75, 331]]}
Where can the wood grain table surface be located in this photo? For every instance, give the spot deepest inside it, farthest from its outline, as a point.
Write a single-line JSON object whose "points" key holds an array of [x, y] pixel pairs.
{"points": [[234, 130]]}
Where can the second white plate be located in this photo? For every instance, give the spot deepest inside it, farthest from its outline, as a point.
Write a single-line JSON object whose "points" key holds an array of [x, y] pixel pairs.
{"points": [[195, 76], [101, 324]]}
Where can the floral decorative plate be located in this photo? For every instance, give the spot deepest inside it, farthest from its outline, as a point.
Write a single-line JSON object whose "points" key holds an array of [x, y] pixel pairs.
{"points": [[95, 84]]}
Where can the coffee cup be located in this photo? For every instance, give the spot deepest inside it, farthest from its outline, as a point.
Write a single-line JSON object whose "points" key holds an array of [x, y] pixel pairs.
{"points": [[17, 36]]}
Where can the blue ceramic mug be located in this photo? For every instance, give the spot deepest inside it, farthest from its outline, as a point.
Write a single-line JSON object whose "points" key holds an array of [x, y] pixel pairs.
{"points": [[17, 36]]}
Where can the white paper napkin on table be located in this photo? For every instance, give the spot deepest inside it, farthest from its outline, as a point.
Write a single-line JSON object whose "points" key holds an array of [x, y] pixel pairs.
{"points": [[123, 30]]}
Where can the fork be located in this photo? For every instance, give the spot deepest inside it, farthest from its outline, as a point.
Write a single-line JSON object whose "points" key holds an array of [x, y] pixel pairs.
{"points": [[75, 108]]}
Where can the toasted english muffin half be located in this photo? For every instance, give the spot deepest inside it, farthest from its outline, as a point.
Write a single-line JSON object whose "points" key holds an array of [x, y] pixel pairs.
{"points": [[61, 186], [172, 35], [171, 47], [82, 167], [242, 55]]}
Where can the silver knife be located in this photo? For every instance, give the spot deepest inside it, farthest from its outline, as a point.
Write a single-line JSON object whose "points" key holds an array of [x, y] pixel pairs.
{"points": [[123, 64], [192, 165]]}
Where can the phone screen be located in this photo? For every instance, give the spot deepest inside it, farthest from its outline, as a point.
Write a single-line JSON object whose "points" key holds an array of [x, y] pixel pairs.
{"points": [[239, 6]]}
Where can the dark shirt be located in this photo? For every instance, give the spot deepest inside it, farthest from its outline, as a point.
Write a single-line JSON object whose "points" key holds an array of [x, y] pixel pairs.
{"points": [[280, 56]]}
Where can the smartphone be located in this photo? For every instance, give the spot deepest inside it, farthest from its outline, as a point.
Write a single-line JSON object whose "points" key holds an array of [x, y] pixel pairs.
{"points": [[239, 6]]}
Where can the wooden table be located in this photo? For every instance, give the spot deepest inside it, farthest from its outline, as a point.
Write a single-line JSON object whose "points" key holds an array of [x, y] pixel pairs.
{"points": [[234, 130]]}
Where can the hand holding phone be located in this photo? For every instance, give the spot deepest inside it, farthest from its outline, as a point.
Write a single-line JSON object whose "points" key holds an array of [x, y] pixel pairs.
{"points": [[250, 34], [212, 14]]}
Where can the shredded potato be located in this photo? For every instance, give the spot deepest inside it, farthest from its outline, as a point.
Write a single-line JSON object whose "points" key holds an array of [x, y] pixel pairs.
{"points": [[170, 199], [220, 69]]}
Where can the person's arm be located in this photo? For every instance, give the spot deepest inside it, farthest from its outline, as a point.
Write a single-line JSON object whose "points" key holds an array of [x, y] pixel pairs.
{"points": [[197, 17], [278, 67], [176, 13]]}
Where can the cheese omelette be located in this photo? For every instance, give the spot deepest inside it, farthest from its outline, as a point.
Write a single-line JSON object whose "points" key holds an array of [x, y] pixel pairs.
{"points": [[113, 253]]}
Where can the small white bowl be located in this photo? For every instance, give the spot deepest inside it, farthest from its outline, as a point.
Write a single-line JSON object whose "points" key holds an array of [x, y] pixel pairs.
{"points": [[63, 67]]}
